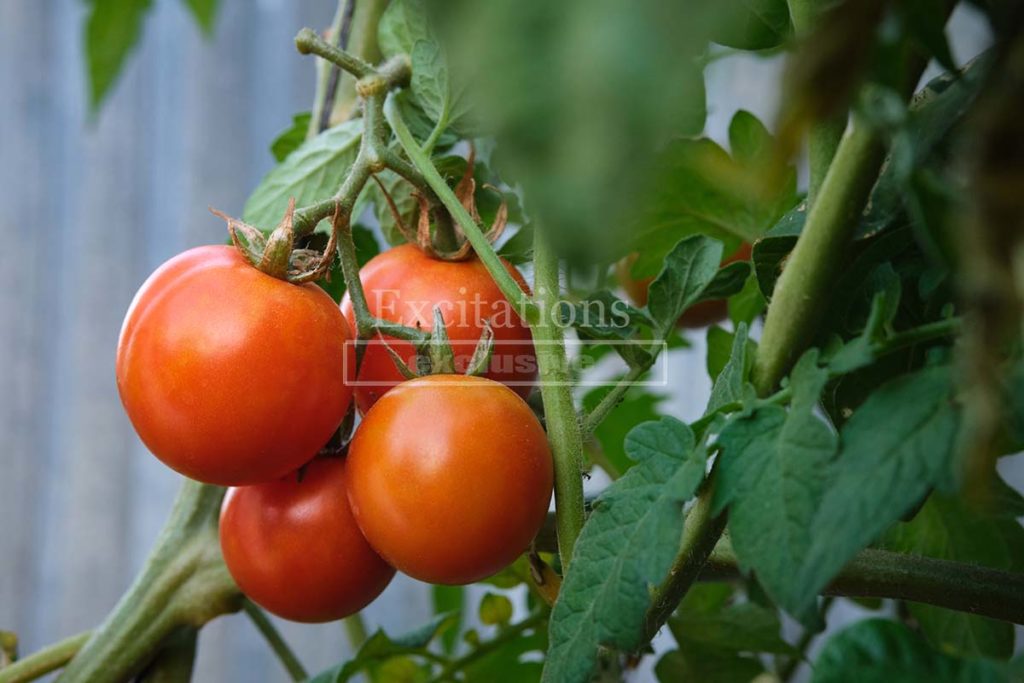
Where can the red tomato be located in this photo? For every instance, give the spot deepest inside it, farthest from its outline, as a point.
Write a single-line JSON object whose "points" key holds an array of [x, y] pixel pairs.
{"points": [[404, 284], [293, 546], [231, 376], [450, 477], [700, 315]]}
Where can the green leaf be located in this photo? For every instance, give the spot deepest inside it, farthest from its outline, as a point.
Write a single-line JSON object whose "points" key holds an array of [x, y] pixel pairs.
{"points": [[506, 664], [518, 249], [312, 172], [637, 406], [403, 24], [699, 188], [401, 193], [205, 14], [449, 600], [694, 664], [495, 610], [707, 618], [728, 280], [729, 383], [625, 549], [879, 651], [380, 647], [112, 30], [289, 140], [772, 477], [753, 24], [688, 270], [746, 305], [949, 528], [896, 446]]}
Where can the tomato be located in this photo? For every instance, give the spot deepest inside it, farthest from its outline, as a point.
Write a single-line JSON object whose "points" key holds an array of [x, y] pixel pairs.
{"points": [[404, 284], [450, 477], [293, 546], [231, 376], [699, 315]]}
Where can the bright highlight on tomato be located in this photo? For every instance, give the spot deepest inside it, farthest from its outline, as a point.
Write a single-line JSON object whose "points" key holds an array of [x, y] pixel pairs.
{"points": [[294, 548], [231, 376], [404, 284], [450, 477]]}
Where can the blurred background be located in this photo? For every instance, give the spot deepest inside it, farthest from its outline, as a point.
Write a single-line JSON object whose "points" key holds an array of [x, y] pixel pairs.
{"points": [[90, 206]]}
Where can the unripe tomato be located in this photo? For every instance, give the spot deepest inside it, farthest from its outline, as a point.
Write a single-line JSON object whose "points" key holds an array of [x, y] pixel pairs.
{"points": [[293, 546], [404, 284], [450, 477], [231, 376], [699, 315]]}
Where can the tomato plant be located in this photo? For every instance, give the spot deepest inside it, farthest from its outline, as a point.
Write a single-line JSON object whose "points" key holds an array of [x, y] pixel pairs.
{"points": [[293, 546], [416, 464], [866, 386], [208, 336], [404, 285]]}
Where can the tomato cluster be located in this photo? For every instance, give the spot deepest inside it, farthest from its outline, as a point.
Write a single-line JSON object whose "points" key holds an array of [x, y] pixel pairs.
{"points": [[233, 377]]}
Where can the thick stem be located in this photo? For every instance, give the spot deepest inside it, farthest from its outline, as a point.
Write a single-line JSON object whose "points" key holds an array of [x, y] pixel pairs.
{"points": [[184, 583], [484, 251], [44, 661], [564, 432], [801, 292], [274, 639], [175, 661]]}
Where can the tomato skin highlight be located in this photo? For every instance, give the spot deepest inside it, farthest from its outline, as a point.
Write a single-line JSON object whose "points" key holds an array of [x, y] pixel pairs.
{"points": [[294, 548], [699, 315], [228, 375], [450, 477], [403, 285]]}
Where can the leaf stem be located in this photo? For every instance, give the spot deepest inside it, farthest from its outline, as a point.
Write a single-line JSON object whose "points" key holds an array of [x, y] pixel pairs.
{"points": [[355, 629], [44, 661], [507, 635], [308, 42], [274, 639]]}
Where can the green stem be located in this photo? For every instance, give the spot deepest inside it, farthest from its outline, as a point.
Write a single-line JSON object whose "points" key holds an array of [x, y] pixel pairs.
{"points": [[363, 44], [483, 649], [175, 661], [309, 43], [484, 251], [44, 661], [563, 425], [801, 292], [355, 629], [274, 639], [611, 400], [184, 583]]}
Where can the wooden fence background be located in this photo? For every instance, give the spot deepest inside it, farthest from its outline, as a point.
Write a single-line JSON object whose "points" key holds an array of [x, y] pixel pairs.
{"points": [[88, 210]]}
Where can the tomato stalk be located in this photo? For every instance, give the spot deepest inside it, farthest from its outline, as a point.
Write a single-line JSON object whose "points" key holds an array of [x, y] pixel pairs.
{"points": [[266, 628]]}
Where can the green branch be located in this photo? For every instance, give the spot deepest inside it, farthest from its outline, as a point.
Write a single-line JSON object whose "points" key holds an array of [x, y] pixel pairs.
{"points": [[274, 639], [44, 661]]}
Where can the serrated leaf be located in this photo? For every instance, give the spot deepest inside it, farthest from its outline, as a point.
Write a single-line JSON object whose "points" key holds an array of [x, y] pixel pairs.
{"points": [[205, 13], [729, 280], [625, 549], [880, 651], [112, 31], [772, 478], [403, 24], [290, 139], [728, 386], [314, 171], [897, 445], [688, 269]]}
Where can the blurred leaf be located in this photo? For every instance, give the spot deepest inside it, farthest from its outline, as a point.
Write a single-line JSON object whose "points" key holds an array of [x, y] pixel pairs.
{"points": [[707, 618], [380, 647], [699, 188], [505, 664], [112, 30], [926, 23], [753, 24], [879, 651], [636, 407], [449, 600], [748, 303], [518, 249], [893, 449], [689, 269], [586, 90], [772, 477], [314, 171], [729, 384], [495, 610], [205, 14], [691, 663], [626, 548], [948, 528], [290, 140]]}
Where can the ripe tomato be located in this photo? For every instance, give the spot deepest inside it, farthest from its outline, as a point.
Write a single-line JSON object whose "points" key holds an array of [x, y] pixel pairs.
{"points": [[231, 376], [700, 315], [450, 477], [404, 284], [293, 546]]}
